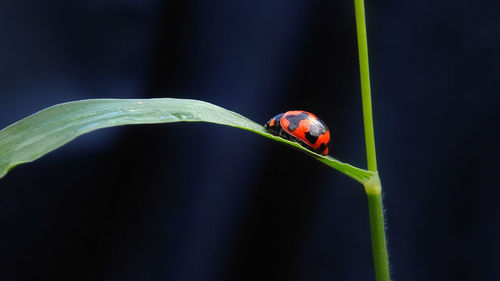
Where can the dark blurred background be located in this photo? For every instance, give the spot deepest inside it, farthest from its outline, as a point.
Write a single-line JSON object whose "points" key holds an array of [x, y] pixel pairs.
{"points": [[205, 202]]}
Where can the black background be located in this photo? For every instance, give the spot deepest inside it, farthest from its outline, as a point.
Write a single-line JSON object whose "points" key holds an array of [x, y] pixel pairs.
{"points": [[205, 202]]}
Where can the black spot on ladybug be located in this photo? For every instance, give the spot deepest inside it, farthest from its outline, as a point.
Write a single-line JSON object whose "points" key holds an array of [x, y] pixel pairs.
{"points": [[311, 138], [295, 120], [322, 148]]}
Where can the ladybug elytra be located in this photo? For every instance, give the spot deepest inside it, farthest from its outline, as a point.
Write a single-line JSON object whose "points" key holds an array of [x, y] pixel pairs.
{"points": [[302, 127]]}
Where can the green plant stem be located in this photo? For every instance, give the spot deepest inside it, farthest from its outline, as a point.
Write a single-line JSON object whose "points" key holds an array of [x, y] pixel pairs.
{"points": [[377, 229], [373, 187], [365, 85]]}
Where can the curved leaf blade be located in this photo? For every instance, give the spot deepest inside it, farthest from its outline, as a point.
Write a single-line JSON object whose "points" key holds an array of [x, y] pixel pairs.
{"points": [[48, 129]]}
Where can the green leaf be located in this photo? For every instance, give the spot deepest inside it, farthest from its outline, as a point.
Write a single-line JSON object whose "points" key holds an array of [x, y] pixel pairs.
{"points": [[46, 130]]}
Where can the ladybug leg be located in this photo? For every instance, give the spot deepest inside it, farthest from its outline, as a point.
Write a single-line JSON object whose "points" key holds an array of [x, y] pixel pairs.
{"points": [[283, 134], [305, 145], [273, 130]]}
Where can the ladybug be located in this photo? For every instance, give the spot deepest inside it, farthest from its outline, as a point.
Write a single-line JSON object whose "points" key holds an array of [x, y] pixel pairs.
{"points": [[302, 127]]}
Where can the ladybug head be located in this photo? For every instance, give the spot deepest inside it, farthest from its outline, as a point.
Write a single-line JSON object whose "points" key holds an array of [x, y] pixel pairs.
{"points": [[274, 125]]}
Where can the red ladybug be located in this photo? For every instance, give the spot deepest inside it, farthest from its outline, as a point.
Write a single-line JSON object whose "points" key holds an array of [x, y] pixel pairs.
{"points": [[302, 127]]}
